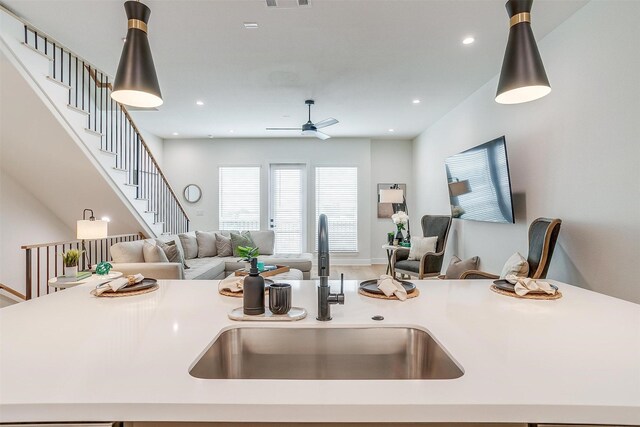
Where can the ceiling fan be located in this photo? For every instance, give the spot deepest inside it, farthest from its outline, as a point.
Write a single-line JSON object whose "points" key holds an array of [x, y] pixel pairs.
{"points": [[311, 128]]}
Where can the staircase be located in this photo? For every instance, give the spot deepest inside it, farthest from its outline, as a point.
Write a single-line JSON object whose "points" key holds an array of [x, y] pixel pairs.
{"points": [[79, 95]]}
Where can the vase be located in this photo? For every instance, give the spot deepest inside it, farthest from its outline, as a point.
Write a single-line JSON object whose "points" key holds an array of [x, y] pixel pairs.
{"points": [[399, 235], [71, 271]]}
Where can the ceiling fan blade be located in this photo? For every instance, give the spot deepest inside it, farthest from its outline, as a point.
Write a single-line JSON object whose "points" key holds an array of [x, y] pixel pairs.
{"points": [[321, 135], [283, 128], [326, 122]]}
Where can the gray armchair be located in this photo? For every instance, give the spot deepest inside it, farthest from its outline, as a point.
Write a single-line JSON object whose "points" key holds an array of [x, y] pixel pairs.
{"points": [[543, 234], [431, 263]]}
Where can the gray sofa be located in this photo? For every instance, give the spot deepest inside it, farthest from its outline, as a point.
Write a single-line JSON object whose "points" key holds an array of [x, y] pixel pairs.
{"points": [[128, 257]]}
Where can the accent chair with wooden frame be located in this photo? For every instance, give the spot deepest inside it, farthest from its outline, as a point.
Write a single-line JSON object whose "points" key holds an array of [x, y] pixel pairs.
{"points": [[543, 235], [430, 263]]}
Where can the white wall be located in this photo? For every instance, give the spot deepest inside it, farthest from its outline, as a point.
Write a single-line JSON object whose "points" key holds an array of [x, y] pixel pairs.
{"points": [[196, 161], [23, 220], [390, 163], [155, 144], [573, 155]]}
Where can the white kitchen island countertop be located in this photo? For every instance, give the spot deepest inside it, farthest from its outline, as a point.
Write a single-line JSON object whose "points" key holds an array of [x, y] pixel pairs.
{"points": [[69, 356]]}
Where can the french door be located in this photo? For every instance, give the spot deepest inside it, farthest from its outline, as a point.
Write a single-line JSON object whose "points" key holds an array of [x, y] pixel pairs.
{"points": [[288, 207]]}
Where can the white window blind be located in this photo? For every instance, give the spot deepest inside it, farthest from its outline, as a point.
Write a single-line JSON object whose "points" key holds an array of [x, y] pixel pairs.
{"points": [[239, 190], [337, 198], [287, 207]]}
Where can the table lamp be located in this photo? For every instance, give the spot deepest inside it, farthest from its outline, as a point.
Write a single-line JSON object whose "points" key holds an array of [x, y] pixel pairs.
{"points": [[90, 229]]}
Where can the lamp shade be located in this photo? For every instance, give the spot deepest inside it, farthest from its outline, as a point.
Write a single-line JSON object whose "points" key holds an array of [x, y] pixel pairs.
{"points": [[391, 196], [458, 188], [136, 82], [523, 77], [87, 230]]}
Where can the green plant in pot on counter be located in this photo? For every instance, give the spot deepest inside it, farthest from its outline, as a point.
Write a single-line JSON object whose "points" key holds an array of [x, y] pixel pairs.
{"points": [[70, 260], [247, 252]]}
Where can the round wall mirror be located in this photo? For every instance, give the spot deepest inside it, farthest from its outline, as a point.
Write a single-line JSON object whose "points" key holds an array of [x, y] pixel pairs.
{"points": [[192, 193]]}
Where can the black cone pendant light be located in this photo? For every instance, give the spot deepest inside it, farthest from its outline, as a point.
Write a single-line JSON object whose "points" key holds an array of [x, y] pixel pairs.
{"points": [[136, 83], [523, 78]]}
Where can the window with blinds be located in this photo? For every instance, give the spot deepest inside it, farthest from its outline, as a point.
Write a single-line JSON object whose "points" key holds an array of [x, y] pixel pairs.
{"points": [[239, 205], [337, 198], [287, 207]]}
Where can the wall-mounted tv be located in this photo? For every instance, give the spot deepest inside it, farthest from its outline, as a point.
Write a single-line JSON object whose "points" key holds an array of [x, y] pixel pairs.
{"points": [[479, 183]]}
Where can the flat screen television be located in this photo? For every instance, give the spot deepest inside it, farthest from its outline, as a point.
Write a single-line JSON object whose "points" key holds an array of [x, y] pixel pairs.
{"points": [[480, 184]]}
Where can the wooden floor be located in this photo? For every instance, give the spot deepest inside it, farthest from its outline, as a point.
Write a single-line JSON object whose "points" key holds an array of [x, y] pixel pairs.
{"points": [[354, 272]]}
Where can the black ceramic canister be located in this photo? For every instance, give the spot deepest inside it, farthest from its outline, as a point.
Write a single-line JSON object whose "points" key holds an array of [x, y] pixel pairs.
{"points": [[280, 298]]}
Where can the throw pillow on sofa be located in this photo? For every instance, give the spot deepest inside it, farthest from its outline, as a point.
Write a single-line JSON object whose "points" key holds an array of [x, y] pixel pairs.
{"points": [[189, 245], [457, 267], [516, 265], [153, 253], [127, 252], [223, 245], [422, 245], [242, 239], [206, 244], [172, 253], [264, 241]]}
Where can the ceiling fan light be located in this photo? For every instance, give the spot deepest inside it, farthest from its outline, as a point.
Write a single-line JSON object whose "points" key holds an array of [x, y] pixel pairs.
{"points": [[136, 83], [309, 132], [523, 77]]}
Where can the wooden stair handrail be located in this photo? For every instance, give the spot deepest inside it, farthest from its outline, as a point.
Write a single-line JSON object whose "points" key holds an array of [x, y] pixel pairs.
{"points": [[102, 85], [42, 245], [12, 291]]}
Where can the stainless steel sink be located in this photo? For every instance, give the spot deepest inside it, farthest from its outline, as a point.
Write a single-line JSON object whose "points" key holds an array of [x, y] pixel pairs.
{"points": [[392, 353]]}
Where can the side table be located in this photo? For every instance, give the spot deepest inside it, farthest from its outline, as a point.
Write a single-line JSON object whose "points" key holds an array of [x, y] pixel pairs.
{"points": [[53, 282]]}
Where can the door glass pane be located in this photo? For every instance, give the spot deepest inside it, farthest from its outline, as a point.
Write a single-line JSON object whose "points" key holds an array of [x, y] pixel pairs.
{"points": [[287, 207]]}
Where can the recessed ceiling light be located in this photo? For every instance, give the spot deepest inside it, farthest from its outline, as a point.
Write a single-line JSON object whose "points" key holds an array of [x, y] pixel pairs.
{"points": [[416, 101], [468, 40], [199, 102], [250, 25], [209, 136], [175, 134], [230, 130], [392, 130]]}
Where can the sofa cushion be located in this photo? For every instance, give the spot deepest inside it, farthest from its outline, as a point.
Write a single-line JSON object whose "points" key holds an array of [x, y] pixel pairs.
{"points": [[241, 239], [165, 238], [300, 262], [153, 253], [204, 268], [457, 266], [206, 244], [223, 245], [264, 241], [189, 245], [170, 249], [128, 251]]}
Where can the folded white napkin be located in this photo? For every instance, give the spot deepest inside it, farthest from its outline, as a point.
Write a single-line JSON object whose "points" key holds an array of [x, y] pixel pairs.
{"points": [[524, 285], [232, 283], [117, 284], [113, 285], [390, 286]]}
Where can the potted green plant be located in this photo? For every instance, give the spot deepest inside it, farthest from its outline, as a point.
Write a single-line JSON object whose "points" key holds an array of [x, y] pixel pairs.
{"points": [[70, 260], [247, 253], [390, 236]]}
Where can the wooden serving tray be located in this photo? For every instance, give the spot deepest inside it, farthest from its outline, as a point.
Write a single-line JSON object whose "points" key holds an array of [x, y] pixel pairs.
{"points": [[279, 270]]}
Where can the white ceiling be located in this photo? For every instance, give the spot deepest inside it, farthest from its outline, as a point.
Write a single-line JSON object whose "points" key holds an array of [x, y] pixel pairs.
{"points": [[362, 61]]}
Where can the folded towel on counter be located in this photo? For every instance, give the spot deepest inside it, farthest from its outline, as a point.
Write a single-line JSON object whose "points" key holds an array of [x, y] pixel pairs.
{"points": [[390, 286], [524, 285], [232, 283]]}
